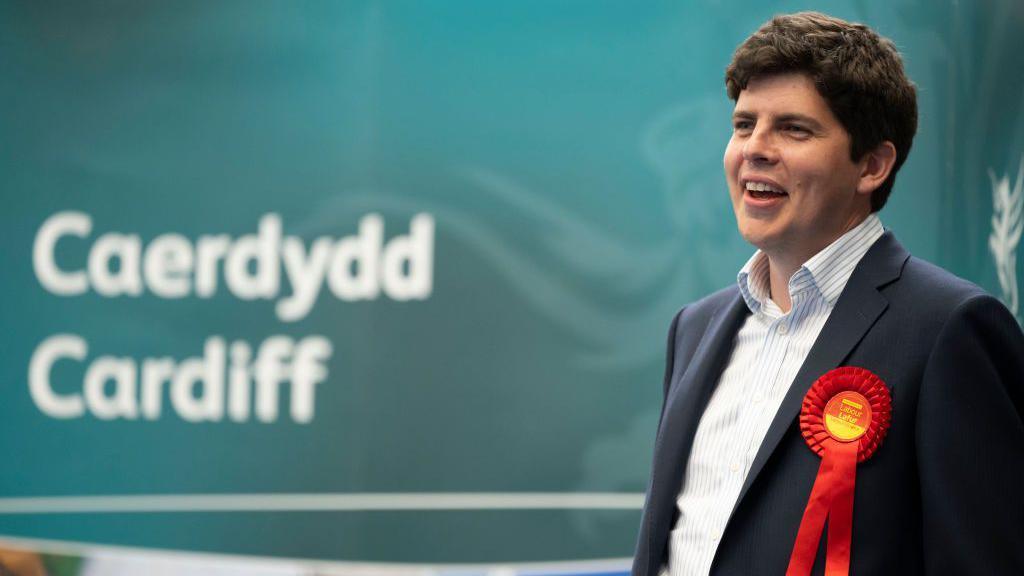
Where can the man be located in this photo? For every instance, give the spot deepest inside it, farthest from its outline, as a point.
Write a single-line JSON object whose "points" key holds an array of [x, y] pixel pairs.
{"points": [[824, 118]]}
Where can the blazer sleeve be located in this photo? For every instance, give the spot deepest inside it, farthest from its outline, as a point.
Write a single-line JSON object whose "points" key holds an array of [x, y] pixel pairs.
{"points": [[970, 439], [641, 561]]}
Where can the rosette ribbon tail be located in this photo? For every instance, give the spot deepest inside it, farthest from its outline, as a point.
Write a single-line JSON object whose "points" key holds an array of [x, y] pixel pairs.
{"points": [[832, 499]]}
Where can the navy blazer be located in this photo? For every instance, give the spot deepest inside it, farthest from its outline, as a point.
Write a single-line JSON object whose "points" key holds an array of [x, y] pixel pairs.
{"points": [[944, 493]]}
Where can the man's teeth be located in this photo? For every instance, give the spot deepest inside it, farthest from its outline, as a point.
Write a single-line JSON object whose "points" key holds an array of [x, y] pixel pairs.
{"points": [[763, 187]]}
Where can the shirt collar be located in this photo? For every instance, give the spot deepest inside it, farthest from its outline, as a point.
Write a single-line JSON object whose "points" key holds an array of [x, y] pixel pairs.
{"points": [[828, 271]]}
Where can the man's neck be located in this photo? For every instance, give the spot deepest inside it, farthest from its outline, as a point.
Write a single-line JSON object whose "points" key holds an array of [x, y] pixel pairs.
{"points": [[782, 264], [778, 282]]}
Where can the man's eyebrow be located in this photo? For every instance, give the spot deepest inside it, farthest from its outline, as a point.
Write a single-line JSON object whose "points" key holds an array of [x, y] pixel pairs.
{"points": [[793, 117], [781, 119]]}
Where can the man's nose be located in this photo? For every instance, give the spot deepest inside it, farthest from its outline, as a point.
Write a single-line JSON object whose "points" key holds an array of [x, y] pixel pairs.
{"points": [[760, 147]]}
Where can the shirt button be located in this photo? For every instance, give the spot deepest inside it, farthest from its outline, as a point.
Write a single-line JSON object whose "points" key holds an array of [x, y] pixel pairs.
{"points": [[782, 329], [758, 398], [735, 467], [715, 536]]}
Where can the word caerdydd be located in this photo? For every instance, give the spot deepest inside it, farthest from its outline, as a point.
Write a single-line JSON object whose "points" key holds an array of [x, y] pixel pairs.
{"points": [[357, 267]]}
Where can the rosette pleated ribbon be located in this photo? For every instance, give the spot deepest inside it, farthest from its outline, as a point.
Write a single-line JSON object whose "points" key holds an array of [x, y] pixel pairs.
{"points": [[844, 418]]}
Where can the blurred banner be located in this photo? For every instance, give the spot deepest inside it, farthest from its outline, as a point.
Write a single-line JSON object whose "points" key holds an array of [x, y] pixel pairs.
{"points": [[384, 285]]}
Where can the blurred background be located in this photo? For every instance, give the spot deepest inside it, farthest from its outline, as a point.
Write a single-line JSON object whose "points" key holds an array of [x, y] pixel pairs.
{"points": [[382, 287]]}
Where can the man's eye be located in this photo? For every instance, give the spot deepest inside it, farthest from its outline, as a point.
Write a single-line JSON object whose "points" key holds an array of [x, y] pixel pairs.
{"points": [[742, 125], [796, 129]]}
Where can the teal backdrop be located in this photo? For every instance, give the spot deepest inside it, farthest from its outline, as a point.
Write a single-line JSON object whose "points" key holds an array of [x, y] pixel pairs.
{"points": [[568, 156]]}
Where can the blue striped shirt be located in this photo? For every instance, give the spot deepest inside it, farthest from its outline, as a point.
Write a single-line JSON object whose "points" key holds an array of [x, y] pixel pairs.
{"points": [[769, 350]]}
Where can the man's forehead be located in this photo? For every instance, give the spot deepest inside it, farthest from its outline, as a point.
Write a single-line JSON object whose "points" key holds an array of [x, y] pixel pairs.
{"points": [[790, 95]]}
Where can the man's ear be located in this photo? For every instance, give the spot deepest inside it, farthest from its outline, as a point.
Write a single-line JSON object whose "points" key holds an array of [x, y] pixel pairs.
{"points": [[875, 167]]}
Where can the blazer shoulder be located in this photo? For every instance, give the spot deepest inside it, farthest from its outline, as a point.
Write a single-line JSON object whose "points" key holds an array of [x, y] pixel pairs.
{"points": [[935, 290], [692, 321], [929, 302]]}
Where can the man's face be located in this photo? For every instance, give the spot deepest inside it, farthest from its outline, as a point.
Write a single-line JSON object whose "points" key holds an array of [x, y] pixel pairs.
{"points": [[793, 186]]}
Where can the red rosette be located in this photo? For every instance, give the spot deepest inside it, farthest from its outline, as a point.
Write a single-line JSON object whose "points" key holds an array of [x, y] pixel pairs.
{"points": [[846, 379], [844, 418]]}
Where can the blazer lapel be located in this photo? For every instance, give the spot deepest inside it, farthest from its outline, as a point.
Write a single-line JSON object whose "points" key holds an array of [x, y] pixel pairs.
{"points": [[686, 402], [855, 312]]}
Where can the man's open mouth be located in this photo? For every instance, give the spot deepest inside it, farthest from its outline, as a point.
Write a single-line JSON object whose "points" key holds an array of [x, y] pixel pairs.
{"points": [[763, 190]]}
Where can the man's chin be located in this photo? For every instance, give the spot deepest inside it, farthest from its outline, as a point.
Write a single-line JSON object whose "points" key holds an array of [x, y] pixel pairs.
{"points": [[759, 236]]}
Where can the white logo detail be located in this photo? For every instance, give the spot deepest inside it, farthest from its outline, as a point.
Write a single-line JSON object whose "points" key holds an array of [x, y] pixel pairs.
{"points": [[1007, 224]]}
